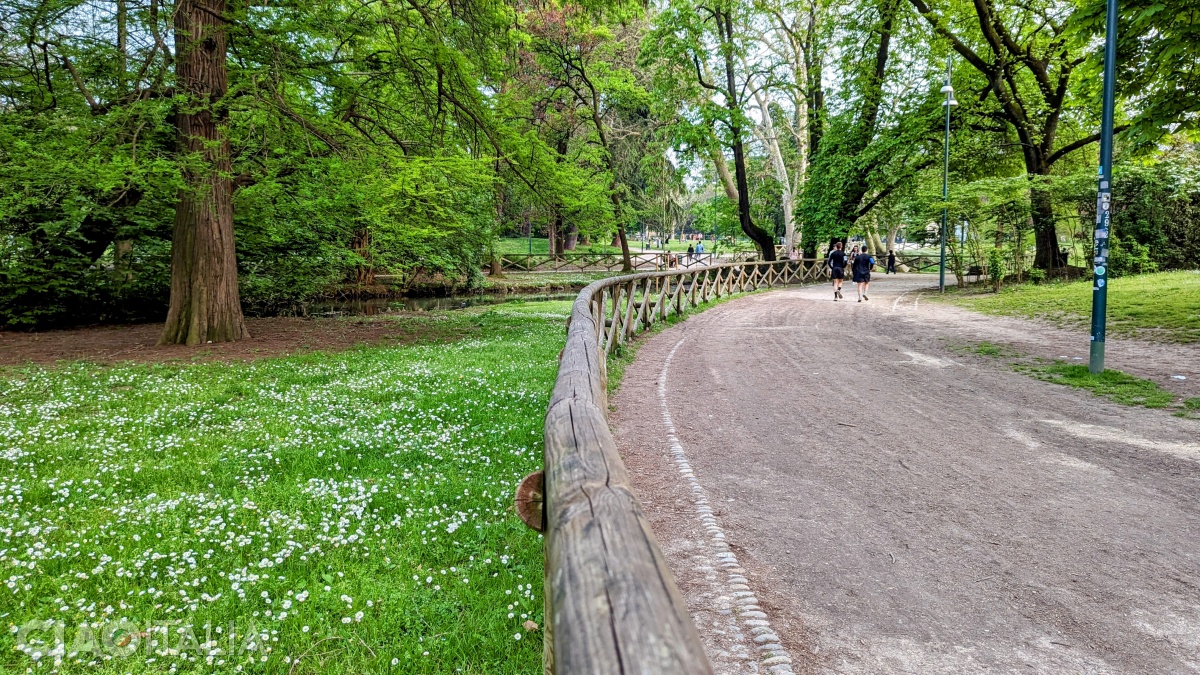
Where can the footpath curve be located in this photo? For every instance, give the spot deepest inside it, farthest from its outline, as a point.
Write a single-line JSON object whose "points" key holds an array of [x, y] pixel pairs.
{"points": [[898, 503]]}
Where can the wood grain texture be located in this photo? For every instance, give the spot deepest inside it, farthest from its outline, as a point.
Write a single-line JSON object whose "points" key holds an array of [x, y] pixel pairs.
{"points": [[612, 606]]}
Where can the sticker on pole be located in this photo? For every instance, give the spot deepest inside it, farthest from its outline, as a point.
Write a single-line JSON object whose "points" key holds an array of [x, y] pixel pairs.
{"points": [[1100, 270]]}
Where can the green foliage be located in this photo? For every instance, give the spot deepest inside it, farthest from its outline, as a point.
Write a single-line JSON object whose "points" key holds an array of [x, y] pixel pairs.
{"points": [[63, 205], [874, 144], [1156, 208], [1127, 256], [718, 216], [1111, 384], [995, 261], [1157, 51]]}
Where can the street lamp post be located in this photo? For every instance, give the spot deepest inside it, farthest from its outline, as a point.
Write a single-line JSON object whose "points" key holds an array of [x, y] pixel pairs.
{"points": [[1104, 197], [948, 90]]}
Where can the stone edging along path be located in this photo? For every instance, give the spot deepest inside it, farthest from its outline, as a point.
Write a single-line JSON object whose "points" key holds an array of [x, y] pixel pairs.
{"points": [[774, 656]]}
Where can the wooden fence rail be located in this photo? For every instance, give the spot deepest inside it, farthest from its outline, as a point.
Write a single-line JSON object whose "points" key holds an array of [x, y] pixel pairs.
{"points": [[645, 261], [642, 261], [611, 603]]}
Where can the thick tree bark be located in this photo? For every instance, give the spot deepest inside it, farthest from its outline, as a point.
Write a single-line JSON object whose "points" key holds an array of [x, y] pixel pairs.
{"points": [[623, 241], [570, 237], [1045, 230], [205, 306], [552, 234]]}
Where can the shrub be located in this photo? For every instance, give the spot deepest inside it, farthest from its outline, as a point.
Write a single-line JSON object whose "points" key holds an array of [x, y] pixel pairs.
{"points": [[995, 259], [1127, 256]]}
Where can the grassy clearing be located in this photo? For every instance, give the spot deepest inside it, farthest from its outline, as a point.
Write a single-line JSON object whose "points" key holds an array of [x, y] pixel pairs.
{"points": [[1163, 306], [1111, 384], [351, 509]]}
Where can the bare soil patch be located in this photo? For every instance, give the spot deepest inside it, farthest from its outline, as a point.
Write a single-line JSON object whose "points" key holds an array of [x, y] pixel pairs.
{"points": [[275, 336]]}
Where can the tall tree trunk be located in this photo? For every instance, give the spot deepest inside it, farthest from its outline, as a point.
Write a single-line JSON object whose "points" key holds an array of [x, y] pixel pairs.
{"points": [[623, 241], [571, 237], [205, 306], [1045, 230], [814, 61], [893, 230], [761, 238], [768, 135]]}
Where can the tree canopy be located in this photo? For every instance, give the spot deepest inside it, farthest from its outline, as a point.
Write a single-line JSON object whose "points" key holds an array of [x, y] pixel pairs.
{"points": [[194, 159]]}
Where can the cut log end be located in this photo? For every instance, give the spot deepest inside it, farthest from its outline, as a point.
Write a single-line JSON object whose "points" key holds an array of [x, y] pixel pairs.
{"points": [[528, 501]]}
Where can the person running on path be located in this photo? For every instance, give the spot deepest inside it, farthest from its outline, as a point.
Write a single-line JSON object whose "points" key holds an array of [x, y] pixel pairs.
{"points": [[891, 268], [862, 264], [837, 270]]}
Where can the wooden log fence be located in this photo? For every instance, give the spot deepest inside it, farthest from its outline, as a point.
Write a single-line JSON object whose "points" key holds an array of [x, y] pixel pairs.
{"points": [[611, 604], [645, 261], [642, 261]]}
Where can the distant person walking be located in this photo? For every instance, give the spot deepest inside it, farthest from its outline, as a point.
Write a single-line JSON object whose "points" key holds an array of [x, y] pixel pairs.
{"points": [[837, 269], [891, 268], [691, 252], [862, 264]]}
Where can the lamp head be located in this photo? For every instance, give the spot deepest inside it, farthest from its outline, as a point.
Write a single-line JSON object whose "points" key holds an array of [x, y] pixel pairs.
{"points": [[947, 89], [950, 100]]}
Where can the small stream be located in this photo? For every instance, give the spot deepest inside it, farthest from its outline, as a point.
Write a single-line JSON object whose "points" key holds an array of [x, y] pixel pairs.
{"points": [[376, 306]]}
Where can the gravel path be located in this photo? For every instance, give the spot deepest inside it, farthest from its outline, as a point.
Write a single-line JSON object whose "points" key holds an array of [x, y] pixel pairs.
{"points": [[897, 503]]}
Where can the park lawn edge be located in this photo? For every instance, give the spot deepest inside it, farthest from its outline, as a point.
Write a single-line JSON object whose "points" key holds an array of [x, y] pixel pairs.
{"points": [[1161, 306]]}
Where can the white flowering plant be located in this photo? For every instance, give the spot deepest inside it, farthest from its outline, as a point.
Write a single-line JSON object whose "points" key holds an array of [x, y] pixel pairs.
{"points": [[347, 510]]}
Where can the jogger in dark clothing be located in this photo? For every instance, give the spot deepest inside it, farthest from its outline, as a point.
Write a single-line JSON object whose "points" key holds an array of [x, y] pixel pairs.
{"points": [[837, 270], [863, 262], [891, 268]]}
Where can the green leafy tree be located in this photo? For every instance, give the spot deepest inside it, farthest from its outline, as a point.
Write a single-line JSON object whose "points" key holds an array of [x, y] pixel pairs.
{"points": [[695, 51]]}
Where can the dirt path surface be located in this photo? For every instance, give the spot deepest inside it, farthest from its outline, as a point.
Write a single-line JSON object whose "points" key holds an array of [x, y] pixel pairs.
{"points": [[902, 505]]}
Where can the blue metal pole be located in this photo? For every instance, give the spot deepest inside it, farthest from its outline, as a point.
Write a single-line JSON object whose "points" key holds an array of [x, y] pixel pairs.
{"points": [[1104, 197]]}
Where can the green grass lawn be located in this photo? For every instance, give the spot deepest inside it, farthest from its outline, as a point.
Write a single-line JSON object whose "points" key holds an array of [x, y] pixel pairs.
{"points": [[1111, 384], [1163, 306], [351, 510]]}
